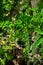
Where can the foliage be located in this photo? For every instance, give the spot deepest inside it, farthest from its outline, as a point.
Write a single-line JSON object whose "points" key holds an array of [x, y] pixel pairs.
{"points": [[23, 24]]}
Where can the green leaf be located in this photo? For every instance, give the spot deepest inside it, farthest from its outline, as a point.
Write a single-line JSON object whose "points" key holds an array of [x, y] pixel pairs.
{"points": [[42, 11], [39, 31], [36, 44]]}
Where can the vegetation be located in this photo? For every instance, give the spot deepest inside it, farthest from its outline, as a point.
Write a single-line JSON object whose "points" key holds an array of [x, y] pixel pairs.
{"points": [[21, 32]]}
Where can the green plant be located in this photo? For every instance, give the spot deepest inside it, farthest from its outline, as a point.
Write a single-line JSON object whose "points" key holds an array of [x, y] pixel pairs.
{"points": [[25, 25]]}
